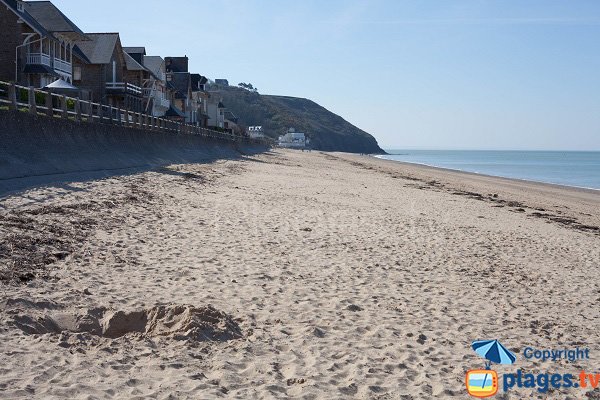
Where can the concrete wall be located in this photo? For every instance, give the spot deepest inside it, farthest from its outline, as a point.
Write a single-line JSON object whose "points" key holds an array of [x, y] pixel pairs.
{"points": [[38, 150]]}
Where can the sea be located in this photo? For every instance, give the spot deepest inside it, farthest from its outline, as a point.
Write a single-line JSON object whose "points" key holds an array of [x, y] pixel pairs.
{"points": [[570, 168]]}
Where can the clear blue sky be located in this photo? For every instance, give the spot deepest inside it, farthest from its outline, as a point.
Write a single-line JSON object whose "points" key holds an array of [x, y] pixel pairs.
{"points": [[482, 74]]}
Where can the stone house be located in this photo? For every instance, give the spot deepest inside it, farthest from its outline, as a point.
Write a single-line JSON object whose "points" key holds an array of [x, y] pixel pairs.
{"points": [[36, 43], [105, 74], [200, 99]]}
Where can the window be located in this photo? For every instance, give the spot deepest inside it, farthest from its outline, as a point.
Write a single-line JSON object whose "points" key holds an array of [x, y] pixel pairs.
{"points": [[20, 6], [76, 73]]}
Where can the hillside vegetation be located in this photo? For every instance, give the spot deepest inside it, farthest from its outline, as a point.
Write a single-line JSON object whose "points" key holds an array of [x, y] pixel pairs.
{"points": [[276, 114]]}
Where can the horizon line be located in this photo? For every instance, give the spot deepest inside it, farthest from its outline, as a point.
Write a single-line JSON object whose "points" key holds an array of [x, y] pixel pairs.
{"points": [[472, 21]]}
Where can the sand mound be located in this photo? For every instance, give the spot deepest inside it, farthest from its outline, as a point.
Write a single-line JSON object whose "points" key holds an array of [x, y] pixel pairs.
{"points": [[178, 321]]}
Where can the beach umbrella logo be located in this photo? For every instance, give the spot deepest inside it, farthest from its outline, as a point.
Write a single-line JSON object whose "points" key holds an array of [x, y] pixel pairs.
{"points": [[484, 382]]}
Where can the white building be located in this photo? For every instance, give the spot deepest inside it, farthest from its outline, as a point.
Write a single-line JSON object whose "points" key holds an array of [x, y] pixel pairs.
{"points": [[294, 140], [256, 132], [216, 112]]}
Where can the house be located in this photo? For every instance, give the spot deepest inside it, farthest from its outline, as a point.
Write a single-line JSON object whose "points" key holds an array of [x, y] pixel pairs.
{"points": [[156, 91], [181, 83], [256, 132], [216, 112], [200, 99], [137, 53], [230, 122], [135, 73], [150, 74], [179, 80], [36, 43], [293, 139], [177, 64], [106, 73]]}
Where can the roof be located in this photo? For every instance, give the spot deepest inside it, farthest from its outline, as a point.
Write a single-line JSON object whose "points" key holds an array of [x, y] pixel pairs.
{"points": [[53, 20], [131, 64], [154, 64], [135, 50], [198, 80], [25, 16], [60, 84], [99, 49], [174, 112]]}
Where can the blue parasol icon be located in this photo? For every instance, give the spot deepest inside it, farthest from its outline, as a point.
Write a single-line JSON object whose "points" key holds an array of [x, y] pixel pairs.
{"points": [[494, 352]]}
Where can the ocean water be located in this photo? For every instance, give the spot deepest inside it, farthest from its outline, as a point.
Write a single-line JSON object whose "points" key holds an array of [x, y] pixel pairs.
{"points": [[571, 168]]}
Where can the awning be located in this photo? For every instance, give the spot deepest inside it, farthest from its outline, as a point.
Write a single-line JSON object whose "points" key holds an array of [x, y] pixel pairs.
{"points": [[39, 69], [61, 85], [174, 112]]}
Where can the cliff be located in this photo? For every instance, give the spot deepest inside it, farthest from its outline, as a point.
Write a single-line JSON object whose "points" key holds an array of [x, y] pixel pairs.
{"points": [[276, 114]]}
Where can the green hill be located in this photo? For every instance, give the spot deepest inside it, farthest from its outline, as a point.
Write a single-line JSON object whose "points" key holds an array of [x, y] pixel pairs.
{"points": [[276, 114]]}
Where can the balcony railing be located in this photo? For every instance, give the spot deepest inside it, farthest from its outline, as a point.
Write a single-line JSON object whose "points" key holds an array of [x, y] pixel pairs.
{"points": [[124, 87], [38, 59], [63, 66], [157, 97]]}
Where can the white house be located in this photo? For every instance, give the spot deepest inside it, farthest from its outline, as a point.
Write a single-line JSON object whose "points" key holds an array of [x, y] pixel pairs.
{"points": [[216, 112], [294, 140], [256, 132]]}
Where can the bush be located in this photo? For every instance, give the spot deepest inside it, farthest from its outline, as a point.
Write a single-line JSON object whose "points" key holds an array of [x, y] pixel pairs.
{"points": [[216, 128], [23, 95], [40, 98]]}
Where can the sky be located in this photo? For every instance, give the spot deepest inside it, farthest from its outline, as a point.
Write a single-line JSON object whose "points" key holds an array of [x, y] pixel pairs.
{"points": [[430, 74]]}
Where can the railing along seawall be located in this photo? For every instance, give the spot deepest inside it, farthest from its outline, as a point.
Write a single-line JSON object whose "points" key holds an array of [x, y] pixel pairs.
{"points": [[41, 102]]}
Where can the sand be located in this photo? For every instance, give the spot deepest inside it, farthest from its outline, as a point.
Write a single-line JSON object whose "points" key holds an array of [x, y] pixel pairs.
{"points": [[291, 275]]}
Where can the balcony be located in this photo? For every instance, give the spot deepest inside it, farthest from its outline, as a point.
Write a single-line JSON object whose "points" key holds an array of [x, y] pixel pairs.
{"points": [[38, 59], [123, 88], [62, 66], [157, 97]]}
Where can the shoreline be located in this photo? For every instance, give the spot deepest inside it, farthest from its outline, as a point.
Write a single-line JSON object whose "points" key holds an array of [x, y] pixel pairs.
{"points": [[380, 157], [290, 275]]}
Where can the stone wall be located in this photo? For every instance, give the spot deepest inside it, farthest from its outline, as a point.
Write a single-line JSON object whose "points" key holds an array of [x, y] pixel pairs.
{"points": [[38, 150]]}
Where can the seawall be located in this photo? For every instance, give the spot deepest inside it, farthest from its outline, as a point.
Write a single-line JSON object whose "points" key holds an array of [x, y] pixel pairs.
{"points": [[36, 150]]}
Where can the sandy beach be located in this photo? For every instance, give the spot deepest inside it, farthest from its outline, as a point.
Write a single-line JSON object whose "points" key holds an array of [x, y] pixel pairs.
{"points": [[292, 275]]}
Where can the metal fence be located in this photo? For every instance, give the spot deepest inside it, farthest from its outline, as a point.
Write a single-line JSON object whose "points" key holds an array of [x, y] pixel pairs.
{"points": [[41, 102]]}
